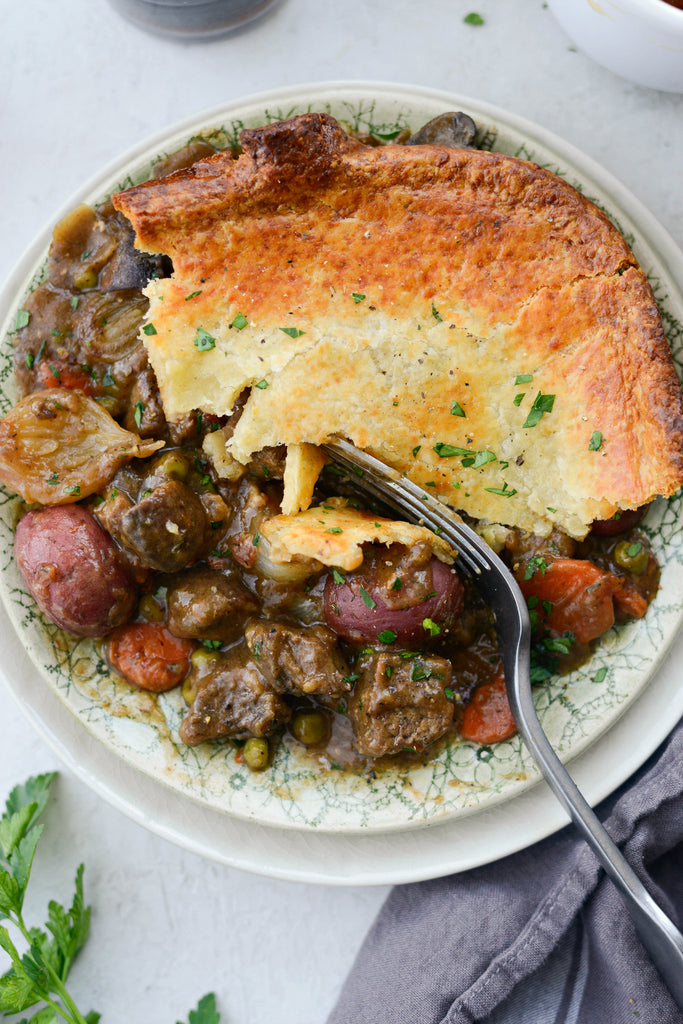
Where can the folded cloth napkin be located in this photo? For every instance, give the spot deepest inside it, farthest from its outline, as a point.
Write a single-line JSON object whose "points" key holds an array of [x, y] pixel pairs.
{"points": [[540, 937]]}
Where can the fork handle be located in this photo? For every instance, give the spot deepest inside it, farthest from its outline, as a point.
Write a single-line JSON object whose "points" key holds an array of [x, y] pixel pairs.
{"points": [[656, 931]]}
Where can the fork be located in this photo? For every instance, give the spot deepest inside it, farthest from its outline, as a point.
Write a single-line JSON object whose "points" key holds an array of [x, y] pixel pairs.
{"points": [[502, 595]]}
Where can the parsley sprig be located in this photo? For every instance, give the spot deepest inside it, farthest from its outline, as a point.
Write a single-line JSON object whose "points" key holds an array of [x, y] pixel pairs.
{"points": [[36, 979], [39, 974]]}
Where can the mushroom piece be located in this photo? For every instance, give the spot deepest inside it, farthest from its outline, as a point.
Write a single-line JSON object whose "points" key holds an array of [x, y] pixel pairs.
{"points": [[454, 129]]}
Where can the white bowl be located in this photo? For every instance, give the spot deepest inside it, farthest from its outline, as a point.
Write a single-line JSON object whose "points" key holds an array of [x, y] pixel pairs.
{"points": [[639, 39]]}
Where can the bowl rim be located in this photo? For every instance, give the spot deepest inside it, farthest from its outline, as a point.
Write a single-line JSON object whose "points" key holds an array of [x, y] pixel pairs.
{"points": [[658, 13]]}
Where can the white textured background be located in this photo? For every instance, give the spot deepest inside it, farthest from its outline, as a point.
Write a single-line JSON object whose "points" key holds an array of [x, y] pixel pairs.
{"points": [[77, 86]]}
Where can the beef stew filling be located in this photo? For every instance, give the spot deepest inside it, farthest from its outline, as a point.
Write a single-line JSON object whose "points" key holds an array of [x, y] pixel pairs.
{"points": [[358, 667]]}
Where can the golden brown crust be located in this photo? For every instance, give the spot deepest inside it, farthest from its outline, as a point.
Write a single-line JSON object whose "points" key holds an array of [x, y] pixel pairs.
{"points": [[416, 281]]}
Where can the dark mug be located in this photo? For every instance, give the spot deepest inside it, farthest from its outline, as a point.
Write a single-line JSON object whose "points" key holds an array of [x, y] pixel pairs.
{"points": [[192, 19]]}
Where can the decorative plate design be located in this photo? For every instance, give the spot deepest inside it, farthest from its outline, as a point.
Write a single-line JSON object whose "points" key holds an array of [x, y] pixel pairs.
{"points": [[296, 792]]}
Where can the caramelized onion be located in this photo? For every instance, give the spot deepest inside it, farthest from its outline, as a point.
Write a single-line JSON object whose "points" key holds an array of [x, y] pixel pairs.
{"points": [[58, 445]]}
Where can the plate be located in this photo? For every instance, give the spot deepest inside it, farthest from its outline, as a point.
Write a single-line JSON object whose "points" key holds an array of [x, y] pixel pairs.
{"points": [[140, 731]]}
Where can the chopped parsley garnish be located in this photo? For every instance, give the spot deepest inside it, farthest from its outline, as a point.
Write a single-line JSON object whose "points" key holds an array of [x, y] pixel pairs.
{"points": [[262, 384], [431, 627], [416, 450], [53, 479], [524, 378], [367, 600], [482, 458], [517, 400], [337, 577], [74, 301], [541, 405], [203, 341], [149, 329], [473, 19], [357, 297], [436, 314], [239, 322], [23, 317], [192, 295], [503, 492], [535, 564], [292, 332], [387, 636], [107, 379], [419, 671], [449, 693], [595, 443], [139, 410], [600, 674], [213, 645], [397, 584], [334, 529], [76, 491], [457, 409], [448, 451]]}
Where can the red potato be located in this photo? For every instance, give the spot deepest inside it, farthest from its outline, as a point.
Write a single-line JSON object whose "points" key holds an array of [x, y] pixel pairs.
{"points": [[355, 609], [149, 656], [73, 570], [621, 523]]}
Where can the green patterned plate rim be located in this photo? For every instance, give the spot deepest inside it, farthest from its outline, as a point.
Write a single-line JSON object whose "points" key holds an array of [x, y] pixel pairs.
{"points": [[296, 792]]}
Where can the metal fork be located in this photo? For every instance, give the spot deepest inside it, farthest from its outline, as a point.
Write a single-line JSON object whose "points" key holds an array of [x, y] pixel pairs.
{"points": [[499, 590]]}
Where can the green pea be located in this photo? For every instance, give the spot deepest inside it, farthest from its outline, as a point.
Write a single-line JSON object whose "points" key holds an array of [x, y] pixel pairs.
{"points": [[174, 466], [310, 727], [631, 556], [150, 609], [256, 753], [189, 689], [203, 658], [86, 279]]}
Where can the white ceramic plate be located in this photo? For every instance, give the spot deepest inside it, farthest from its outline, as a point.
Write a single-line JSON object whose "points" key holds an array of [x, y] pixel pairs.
{"points": [[140, 733]]}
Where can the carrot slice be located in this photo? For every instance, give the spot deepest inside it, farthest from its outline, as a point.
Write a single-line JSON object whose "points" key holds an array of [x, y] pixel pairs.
{"points": [[488, 718], [573, 595], [149, 656]]}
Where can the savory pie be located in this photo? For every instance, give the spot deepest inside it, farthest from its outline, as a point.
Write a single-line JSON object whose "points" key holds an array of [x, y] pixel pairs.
{"points": [[468, 316]]}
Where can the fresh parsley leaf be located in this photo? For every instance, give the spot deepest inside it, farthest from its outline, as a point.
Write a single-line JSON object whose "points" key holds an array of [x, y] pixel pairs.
{"points": [[203, 341], [541, 404], [205, 1012], [457, 409], [595, 443], [23, 317], [149, 329], [357, 297], [292, 332], [473, 19], [367, 600], [239, 322], [387, 636]]}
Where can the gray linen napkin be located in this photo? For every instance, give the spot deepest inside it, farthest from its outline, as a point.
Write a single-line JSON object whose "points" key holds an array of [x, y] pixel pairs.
{"points": [[540, 937]]}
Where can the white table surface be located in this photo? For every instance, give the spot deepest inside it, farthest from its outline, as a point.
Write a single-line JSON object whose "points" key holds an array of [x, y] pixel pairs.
{"points": [[79, 85]]}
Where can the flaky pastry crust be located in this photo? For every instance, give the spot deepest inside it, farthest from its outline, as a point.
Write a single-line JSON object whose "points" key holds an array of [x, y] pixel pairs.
{"points": [[405, 297]]}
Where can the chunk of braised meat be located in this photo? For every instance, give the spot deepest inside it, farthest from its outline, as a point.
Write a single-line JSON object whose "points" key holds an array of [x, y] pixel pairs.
{"points": [[167, 529], [209, 605], [400, 703], [251, 506], [144, 411], [522, 546], [269, 463], [232, 699], [302, 660], [128, 267]]}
